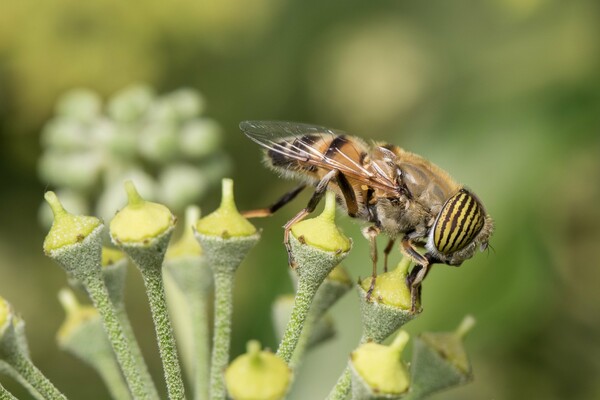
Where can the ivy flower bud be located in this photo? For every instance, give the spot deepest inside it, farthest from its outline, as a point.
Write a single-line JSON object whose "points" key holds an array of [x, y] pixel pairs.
{"points": [[5, 315], [130, 103], [257, 375], [390, 304], [141, 223], [321, 231], [67, 229], [378, 371], [440, 360], [225, 221]]}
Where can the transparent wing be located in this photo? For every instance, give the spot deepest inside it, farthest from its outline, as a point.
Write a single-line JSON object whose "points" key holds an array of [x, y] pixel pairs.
{"points": [[296, 141]]}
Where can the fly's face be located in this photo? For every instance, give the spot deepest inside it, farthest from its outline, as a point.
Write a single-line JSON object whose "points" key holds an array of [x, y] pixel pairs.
{"points": [[460, 228]]}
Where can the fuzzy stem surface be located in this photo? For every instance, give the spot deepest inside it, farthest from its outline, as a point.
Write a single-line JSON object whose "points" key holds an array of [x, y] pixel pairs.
{"points": [[302, 301], [222, 332], [24, 367], [164, 332], [5, 394], [136, 351], [201, 346], [99, 295]]}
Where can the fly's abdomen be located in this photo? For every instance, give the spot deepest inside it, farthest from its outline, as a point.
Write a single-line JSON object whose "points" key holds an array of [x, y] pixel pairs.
{"points": [[459, 222]]}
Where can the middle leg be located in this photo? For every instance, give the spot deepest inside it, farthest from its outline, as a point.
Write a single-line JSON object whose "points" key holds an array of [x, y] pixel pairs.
{"points": [[371, 233]]}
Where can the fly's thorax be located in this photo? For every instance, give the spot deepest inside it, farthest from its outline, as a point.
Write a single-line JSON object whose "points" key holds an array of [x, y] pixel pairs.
{"points": [[458, 225], [400, 215]]}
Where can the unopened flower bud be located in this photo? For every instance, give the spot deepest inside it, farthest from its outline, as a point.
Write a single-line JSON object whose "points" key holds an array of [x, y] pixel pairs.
{"points": [[257, 375], [140, 222], [440, 360], [321, 231], [390, 305], [378, 370]]}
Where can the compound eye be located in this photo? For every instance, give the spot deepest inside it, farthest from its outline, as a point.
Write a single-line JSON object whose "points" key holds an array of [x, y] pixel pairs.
{"points": [[459, 222]]}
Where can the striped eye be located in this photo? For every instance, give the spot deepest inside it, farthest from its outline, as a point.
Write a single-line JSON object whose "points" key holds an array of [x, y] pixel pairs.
{"points": [[459, 222]]}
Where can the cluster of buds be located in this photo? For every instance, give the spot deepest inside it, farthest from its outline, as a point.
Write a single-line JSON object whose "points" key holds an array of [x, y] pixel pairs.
{"points": [[89, 145], [207, 255]]}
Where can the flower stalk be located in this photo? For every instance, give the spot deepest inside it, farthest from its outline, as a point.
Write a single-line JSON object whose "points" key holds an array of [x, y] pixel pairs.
{"points": [[142, 230], [225, 237], [317, 246], [114, 269], [193, 279]]}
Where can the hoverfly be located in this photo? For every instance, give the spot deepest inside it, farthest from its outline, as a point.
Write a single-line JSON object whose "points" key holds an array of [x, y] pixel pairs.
{"points": [[399, 193]]}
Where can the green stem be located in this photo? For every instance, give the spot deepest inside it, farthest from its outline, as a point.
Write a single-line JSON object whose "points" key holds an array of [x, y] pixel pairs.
{"points": [[302, 344], [5, 394], [201, 346], [99, 295], [342, 387], [10, 371], [304, 296], [222, 331], [136, 351], [24, 367], [164, 332]]}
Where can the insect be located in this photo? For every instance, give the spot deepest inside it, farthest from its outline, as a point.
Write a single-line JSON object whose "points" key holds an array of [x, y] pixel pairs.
{"points": [[399, 193]]}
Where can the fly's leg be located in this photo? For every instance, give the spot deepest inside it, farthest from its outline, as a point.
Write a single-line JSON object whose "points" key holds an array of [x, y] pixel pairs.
{"points": [[371, 234], [266, 212], [386, 253], [418, 273], [312, 204]]}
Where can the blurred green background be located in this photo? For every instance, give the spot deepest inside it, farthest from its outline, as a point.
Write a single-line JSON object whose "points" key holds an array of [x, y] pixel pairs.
{"points": [[503, 94]]}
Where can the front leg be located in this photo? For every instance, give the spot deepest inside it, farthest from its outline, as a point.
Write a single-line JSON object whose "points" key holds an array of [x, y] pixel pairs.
{"points": [[419, 271], [312, 204], [371, 233]]}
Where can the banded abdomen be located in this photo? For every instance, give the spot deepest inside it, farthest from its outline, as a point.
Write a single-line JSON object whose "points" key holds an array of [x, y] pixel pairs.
{"points": [[312, 156]]}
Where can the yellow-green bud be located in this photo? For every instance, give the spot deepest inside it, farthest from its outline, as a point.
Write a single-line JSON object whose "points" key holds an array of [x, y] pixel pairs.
{"points": [[67, 229], [449, 344], [321, 231], [4, 315], [381, 367], [225, 221], [77, 314], [257, 375], [110, 256], [390, 287], [140, 221], [187, 245]]}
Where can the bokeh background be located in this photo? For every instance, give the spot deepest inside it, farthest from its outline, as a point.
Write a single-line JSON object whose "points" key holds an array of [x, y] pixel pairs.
{"points": [[504, 94]]}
